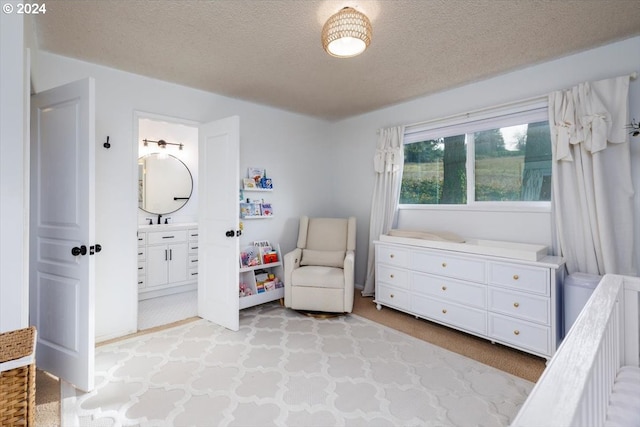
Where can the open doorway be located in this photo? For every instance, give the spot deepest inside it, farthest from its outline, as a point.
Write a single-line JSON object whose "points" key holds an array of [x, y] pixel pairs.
{"points": [[167, 189]]}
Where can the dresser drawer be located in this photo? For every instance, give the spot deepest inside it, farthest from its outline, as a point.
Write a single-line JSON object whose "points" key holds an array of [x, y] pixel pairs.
{"points": [[518, 304], [468, 318], [393, 276], [521, 277], [166, 237], [392, 255], [520, 333], [450, 266], [467, 293], [392, 296]]}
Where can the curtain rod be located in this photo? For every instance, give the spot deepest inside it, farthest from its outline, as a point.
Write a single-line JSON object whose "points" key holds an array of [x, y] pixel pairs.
{"points": [[481, 110], [633, 76]]}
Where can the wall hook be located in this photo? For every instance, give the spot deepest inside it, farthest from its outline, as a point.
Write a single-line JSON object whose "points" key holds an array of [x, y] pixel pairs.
{"points": [[107, 144]]}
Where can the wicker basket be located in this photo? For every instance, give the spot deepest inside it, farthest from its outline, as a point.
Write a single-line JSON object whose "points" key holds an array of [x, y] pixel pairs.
{"points": [[17, 377]]}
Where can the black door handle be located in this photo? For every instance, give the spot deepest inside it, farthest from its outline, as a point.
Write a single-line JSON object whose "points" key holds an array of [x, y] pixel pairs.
{"points": [[82, 250], [230, 233], [94, 249], [239, 233]]}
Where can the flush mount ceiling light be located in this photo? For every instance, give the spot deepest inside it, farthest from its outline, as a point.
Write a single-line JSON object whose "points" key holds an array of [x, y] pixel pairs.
{"points": [[346, 34]]}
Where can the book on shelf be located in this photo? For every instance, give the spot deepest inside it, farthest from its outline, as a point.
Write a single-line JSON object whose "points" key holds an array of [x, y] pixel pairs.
{"points": [[248, 184], [267, 210], [250, 257], [248, 209]]}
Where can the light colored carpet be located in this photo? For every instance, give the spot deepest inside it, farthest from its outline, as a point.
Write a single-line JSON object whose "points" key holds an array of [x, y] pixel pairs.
{"points": [[283, 368], [516, 362]]}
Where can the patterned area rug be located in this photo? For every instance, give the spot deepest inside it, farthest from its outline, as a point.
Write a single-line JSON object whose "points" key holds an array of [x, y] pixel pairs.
{"points": [[286, 369]]}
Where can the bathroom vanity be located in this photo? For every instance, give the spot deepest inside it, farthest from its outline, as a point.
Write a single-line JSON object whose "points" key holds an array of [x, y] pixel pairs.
{"points": [[167, 259]]}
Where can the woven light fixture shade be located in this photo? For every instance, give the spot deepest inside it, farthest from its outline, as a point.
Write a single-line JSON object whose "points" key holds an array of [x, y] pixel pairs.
{"points": [[346, 34]]}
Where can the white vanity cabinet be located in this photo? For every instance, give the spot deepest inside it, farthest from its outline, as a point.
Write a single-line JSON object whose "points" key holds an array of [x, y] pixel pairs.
{"points": [[167, 259], [510, 301]]}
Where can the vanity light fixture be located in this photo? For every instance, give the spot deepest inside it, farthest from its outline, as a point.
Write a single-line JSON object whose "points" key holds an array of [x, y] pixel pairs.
{"points": [[162, 143], [346, 34]]}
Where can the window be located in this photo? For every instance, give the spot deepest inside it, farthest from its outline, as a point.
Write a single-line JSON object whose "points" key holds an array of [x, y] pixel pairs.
{"points": [[509, 153]]}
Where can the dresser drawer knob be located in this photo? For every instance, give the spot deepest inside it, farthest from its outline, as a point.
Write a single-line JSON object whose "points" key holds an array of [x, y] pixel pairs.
{"points": [[391, 275], [516, 277], [391, 295], [516, 332], [391, 256], [444, 265], [444, 288], [516, 304], [444, 311]]}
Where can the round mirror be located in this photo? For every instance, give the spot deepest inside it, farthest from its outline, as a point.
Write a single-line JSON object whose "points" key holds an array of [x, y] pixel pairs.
{"points": [[165, 183]]}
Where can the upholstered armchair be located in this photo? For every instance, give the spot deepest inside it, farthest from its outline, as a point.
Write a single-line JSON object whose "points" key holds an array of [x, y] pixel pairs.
{"points": [[319, 273]]}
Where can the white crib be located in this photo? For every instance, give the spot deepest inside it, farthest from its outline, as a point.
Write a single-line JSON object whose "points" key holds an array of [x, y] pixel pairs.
{"points": [[593, 379]]}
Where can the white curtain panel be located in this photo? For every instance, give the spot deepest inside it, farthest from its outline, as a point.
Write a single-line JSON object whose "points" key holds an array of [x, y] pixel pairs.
{"points": [[387, 163], [592, 189]]}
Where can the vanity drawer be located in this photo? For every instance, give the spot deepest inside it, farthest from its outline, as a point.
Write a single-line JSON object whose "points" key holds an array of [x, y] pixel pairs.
{"points": [[141, 282], [142, 238], [450, 266], [193, 261], [520, 277], [467, 293], [193, 273], [392, 296], [520, 333], [171, 236], [518, 304], [193, 235], [142, 268], [193, 247], [142, 253], [393, 276], [392, 255], [468, 318]]}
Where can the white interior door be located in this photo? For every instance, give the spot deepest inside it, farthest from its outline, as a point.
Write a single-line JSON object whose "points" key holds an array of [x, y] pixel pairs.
{"points": [[62, 224], [218, 209]]}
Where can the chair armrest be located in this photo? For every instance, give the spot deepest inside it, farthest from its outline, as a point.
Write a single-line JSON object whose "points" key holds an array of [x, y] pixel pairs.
{"points": [[349, 264], [291, 262]]}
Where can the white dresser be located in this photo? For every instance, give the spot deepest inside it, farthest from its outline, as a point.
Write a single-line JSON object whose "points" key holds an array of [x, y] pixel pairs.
{"points": [[167, 259], [509, 301]]}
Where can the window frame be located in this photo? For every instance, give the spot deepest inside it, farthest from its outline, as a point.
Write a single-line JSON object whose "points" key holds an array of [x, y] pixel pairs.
{"points": [[528, 111]]}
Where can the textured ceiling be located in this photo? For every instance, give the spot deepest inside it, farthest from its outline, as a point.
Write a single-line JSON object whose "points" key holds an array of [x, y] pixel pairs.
{"points": [[269, 51]]}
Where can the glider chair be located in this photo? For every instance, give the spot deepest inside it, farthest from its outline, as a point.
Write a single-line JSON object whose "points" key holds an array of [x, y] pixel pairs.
{"points": [[318, 274]]}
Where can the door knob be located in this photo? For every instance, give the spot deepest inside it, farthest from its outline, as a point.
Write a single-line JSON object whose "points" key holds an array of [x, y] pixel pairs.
{"points": [[82, 250], [230, 233], [94, 249]]}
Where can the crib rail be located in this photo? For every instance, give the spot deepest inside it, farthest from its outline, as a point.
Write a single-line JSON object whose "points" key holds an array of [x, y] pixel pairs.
{"points": [[574, 388]]}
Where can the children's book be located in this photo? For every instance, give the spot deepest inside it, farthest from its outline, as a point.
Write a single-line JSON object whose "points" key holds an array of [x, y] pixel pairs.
{"points": [[249, 257], [267, 210]]}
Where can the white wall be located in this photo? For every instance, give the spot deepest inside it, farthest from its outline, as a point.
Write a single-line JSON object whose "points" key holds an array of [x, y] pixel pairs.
{"points": [[14, 182], [354, 140], [270, 138]]}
